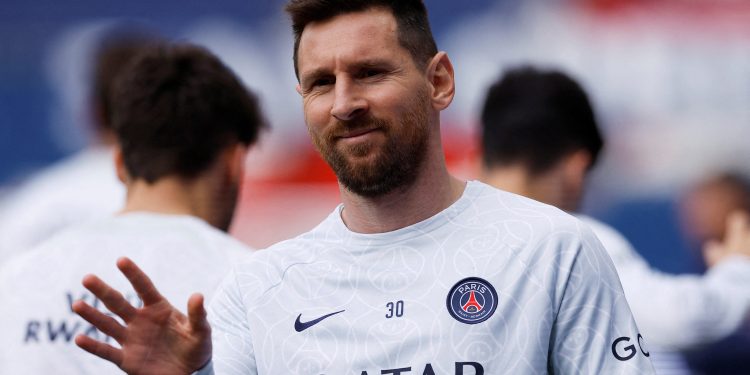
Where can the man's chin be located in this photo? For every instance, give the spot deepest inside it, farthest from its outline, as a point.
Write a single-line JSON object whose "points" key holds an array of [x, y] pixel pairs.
{"points": [[361, 158]]}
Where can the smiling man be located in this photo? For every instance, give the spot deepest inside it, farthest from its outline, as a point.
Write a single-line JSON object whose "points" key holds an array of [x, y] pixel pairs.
{"points": [[416, 272]]}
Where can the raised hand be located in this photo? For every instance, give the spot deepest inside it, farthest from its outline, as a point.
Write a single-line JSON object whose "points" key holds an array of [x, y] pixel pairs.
{"points": [[156, 338], [736, 240]]}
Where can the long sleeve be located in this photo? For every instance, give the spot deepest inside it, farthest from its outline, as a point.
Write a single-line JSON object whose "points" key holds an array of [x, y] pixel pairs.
{"points": [[680, 311]]}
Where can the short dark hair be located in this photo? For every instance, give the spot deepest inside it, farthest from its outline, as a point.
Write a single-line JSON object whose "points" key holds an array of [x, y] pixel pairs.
{"points": [[414, 32], [536, 118], [112, 54], [176, 107]]}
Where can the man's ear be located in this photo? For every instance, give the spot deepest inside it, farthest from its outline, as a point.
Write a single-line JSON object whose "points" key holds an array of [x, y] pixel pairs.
{"points": [[299, 89], [120, 168], [442, 83], [234, 159], [577, 165]]}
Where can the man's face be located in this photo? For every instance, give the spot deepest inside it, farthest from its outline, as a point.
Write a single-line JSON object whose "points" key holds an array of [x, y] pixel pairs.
{"points": [[366, 103], [705, 209]]}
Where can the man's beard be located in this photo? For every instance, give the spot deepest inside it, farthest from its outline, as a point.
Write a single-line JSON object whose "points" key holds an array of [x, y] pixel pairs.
{"points": [[397, 162], [226, 205]]}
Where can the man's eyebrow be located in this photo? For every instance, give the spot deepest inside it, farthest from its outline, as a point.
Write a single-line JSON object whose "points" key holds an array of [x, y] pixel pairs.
{"points": [[368, 63], [313, 74], [364, 63]]}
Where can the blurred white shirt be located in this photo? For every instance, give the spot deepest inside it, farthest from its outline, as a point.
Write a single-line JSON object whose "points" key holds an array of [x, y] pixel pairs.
{"points": [[679, 311], [79, 188], [182, 255]]}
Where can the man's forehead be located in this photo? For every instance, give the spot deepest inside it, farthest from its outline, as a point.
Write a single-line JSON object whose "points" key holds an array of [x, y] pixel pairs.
{"points": [[366, 34], [375, 18]]}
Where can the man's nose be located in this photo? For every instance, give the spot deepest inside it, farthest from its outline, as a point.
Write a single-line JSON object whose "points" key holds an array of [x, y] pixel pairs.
{"points": [[348, 102]]}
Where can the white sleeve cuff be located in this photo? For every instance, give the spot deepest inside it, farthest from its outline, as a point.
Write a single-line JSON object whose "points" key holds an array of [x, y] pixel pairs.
{"points": [[208, 369]]}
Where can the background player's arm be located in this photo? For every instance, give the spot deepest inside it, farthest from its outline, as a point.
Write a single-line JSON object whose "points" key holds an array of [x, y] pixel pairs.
{"points": [[594, 331], [156, 338], [679, 312]]}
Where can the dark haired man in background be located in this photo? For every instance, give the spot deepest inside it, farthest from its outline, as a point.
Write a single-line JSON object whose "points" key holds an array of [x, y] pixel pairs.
{"points": [[417, 271], [83, 186], [183, 123], [540, 139]]}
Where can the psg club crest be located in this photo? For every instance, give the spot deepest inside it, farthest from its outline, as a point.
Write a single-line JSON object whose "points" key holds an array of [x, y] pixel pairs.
{"points": [[472, 300]]}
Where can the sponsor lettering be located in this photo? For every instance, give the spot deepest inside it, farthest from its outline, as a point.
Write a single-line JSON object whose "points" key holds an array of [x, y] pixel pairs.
{"points": [[624, 352], [428, 370], [65, 328]]}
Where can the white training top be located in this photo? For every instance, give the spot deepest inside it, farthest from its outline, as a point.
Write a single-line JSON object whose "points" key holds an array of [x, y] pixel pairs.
{"points": [[494, 284], [679, 311], [77, 189], [182, 255]]}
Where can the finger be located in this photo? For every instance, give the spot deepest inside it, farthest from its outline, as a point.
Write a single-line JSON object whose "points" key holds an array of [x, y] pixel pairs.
{"points": [[197, 315], [102, 322], [737, 237], [738, 222], [713, 252], [100, 349], [140, 281], [111, 298]]}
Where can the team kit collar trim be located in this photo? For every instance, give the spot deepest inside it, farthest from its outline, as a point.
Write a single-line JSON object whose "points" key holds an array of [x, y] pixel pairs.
{"points": [[432, 223]]}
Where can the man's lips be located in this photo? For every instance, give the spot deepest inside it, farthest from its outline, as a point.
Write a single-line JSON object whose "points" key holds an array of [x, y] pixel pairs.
{"points": [[356, 133]]}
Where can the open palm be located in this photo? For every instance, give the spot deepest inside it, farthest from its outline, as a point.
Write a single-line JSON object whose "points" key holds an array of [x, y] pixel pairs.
{"points": [[156, 338]]}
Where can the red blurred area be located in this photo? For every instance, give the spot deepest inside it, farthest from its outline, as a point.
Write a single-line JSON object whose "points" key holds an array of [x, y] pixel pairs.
{"points": [[284, 204]]}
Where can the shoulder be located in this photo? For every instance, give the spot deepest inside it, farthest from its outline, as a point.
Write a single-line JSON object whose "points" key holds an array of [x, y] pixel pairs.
{"points": [[266, 269], [616, 245], [92, 168], [53, 198], [604, 232], [519, 215], [37, 269]]}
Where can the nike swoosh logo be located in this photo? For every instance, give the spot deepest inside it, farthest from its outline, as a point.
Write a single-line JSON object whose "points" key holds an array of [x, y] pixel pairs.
{"points": [[301, 326]]}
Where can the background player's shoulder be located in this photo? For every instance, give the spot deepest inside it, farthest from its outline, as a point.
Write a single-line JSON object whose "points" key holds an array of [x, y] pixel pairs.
{"points": [[498, 205]]}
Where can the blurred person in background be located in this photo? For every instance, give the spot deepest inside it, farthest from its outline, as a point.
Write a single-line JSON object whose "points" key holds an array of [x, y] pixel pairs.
{"points": [[183, 123], [540, 139], [704, 210], [83, 186]]}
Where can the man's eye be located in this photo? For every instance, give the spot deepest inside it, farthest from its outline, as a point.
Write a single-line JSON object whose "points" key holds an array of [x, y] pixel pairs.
{"points": [[321, 82], [370, 73]]}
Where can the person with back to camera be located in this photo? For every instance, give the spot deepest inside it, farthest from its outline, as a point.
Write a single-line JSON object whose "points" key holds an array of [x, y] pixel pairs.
{"points": [[183, 123]]}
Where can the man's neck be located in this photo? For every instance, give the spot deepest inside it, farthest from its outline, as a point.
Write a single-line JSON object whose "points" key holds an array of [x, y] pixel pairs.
{"points": [[546, 188], [168, 195], [513, 179], [433, 191]]}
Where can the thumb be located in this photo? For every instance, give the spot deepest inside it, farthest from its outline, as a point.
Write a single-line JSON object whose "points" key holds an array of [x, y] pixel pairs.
{"points": [[713, 252], [197, 315], [738, 223]]}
